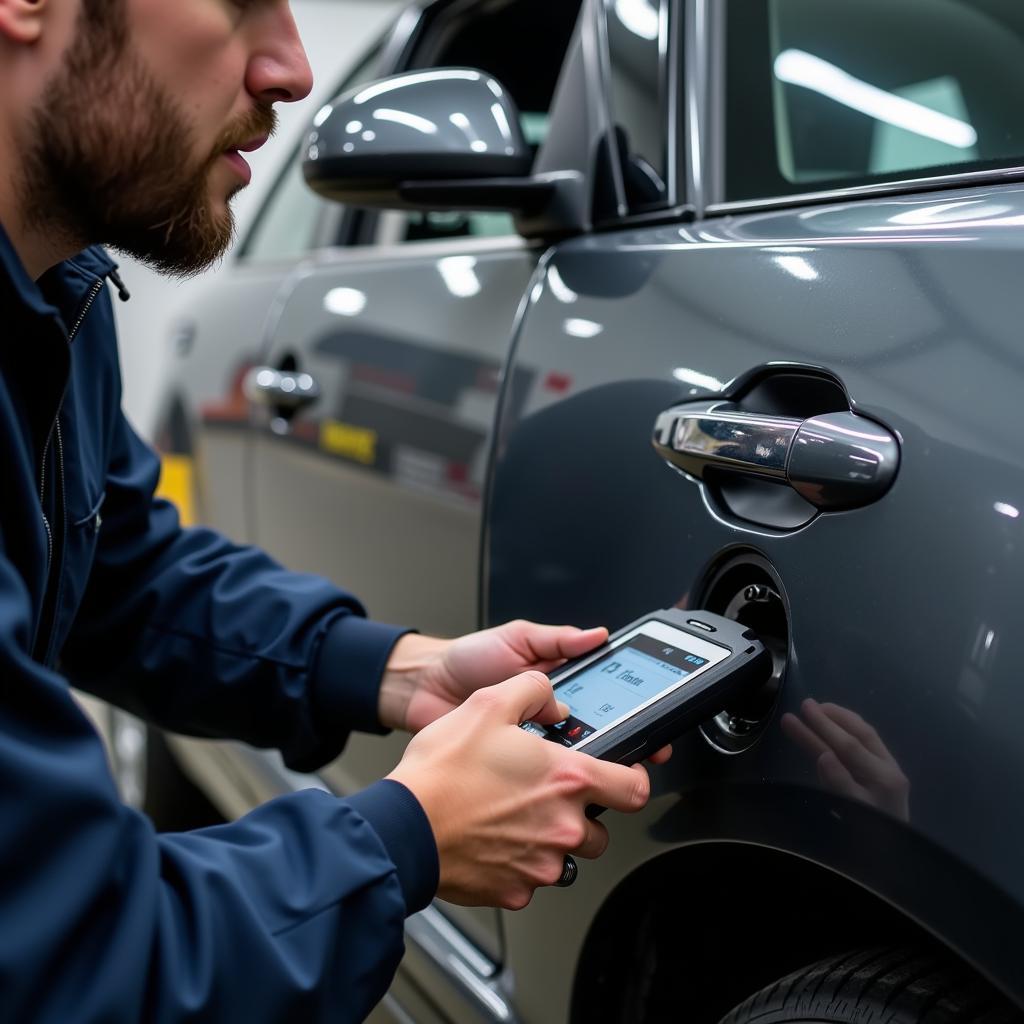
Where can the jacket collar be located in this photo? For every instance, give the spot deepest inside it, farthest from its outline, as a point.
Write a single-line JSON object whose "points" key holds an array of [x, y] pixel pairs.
{"points": [[62, 290]]}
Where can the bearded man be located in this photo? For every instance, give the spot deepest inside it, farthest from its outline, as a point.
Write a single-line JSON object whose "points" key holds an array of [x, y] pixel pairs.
{"points": [[123, 123]]}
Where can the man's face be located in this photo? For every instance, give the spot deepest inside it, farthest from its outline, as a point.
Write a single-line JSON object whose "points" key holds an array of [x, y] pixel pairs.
{"points": [[135, 141]]}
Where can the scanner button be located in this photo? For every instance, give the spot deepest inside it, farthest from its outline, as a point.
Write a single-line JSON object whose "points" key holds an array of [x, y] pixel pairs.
{"points": [[706, 626]]}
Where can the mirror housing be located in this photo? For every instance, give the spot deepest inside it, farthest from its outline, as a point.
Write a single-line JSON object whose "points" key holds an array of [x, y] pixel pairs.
{"points": [[438, 139]]}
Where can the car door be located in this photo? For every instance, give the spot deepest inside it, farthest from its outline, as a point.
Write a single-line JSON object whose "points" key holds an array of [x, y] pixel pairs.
{"points": [[846, 286], [402, 338], [404, 334]]}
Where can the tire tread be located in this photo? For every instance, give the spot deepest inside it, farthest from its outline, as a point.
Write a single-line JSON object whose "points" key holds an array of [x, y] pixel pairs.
{"points": [[879, 985]]}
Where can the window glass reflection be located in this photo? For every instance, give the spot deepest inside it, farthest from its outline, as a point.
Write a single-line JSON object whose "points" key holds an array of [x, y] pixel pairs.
{"points": [[857, 91]]}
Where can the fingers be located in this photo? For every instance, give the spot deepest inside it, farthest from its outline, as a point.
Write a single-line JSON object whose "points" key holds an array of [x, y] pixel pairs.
{"points": [[527, 697], [595, 843], [617, 786], [572, 642], [548, 645], [661, 756], [556, 711]]}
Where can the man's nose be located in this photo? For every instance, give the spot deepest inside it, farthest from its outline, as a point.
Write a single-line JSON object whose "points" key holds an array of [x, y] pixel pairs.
{"points": [[278, 70]]}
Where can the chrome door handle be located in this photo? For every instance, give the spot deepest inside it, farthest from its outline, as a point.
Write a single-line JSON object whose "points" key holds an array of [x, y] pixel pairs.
{"points": [[280, 389], [834, 461]]}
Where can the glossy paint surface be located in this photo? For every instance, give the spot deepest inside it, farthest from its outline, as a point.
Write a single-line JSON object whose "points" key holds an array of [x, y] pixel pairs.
{"points": [[377, 484], [443, 122], [390, 460], [905, 612]]}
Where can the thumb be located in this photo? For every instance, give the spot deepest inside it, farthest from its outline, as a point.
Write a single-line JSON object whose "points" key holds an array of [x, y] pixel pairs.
{"points": [[528, 697]]}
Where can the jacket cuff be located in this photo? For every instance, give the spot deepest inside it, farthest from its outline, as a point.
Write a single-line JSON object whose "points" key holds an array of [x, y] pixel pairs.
{"points": [[347, 674], [402, 826]]}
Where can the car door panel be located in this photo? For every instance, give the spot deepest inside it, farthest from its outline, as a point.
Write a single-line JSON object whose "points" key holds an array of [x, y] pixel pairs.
{"points": [[903, 611], [378, 484], [390, 462]]}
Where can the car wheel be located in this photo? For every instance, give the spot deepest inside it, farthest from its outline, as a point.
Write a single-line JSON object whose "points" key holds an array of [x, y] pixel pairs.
{"points": [[149, 779], [891, 986]]}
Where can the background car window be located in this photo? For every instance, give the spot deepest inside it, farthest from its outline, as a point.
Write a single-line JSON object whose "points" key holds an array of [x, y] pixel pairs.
{"points": [[849, 92], [637, 50], [504, 40], [289, 225], [288, 222]]}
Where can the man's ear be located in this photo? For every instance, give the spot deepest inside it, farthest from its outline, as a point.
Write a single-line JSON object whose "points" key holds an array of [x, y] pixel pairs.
{"points": [[21, 21]]}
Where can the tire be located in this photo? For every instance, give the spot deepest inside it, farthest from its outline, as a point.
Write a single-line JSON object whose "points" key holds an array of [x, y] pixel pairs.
{"points": [[149, 779], [878, 986]]}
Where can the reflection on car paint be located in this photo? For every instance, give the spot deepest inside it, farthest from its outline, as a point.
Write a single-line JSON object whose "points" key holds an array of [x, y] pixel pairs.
{"points": [[850, 757]]}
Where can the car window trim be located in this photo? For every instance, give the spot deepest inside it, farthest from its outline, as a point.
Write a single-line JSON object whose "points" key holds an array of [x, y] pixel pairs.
{"points": [[677, 203], [696, 99], [897, 186], [403, 38], [712, 16], [675, 71], [603, 60]]}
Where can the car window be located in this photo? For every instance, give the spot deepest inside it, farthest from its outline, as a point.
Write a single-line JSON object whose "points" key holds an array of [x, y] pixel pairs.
{"points": [[637, 40], [823, 95], [493, 38], [288, 225]]}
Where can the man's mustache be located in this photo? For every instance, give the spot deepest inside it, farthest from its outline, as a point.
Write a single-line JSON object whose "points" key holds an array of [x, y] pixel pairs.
{"points": [[259, 121]]}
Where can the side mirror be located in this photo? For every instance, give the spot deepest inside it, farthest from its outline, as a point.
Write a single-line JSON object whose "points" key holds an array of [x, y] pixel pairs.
{"points": [[439, 139]]}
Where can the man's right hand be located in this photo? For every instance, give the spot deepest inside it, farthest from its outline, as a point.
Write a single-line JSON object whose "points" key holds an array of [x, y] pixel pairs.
{"points": [[505, 805]]}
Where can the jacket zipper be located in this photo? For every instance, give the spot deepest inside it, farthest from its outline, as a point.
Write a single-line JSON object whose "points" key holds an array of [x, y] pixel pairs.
{"points": [[55, 431], [64, 526]]}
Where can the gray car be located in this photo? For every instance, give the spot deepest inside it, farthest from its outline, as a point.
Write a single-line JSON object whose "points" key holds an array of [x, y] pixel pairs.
{"points": [[708, 303]]}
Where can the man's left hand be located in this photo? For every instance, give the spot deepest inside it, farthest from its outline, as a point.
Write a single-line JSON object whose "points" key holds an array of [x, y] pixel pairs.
{"points": [[426, 677]]}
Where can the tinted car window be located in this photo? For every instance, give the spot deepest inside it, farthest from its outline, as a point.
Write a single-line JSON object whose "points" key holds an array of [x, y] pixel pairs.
{"points": [[849, 92], [637, 33]]}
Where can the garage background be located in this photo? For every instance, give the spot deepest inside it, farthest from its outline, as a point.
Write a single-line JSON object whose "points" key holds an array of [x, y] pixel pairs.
{"points": [[335, 32]]}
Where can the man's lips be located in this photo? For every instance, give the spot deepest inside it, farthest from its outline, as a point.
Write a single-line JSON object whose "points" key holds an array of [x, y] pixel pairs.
{"points": [[234, 156], [252, 144], [241, 168]]}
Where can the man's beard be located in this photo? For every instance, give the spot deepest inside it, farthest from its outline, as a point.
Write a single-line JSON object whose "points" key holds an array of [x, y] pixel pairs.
{"points": [[107, 160]]}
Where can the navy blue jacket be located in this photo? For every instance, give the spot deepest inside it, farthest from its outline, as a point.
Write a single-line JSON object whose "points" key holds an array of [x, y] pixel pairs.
{"points": [[294, 912]]}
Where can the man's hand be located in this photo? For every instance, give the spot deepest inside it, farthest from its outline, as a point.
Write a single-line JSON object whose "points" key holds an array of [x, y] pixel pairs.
{"points": [[505, 805], [426, 677]]}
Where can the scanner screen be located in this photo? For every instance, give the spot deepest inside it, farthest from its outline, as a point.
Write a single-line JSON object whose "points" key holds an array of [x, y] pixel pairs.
{"points": [[616, 684]]}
